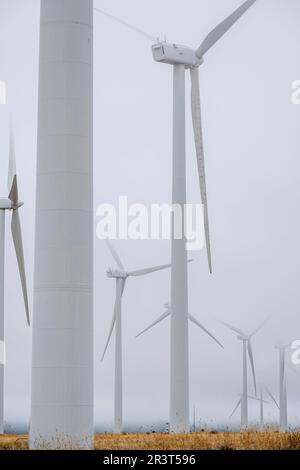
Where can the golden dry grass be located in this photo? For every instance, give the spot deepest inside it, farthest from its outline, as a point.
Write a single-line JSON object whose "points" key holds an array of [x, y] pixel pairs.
{"points": [[13, 442], [199, 441]]}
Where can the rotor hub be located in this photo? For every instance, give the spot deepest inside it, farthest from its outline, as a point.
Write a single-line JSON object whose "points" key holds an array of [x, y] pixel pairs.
{"points": [[116, 274]]}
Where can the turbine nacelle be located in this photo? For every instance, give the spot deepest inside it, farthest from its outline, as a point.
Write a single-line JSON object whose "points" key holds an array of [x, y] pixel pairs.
{"points": [[7, 204], [175, 54], [116, 274], [243, 338]]}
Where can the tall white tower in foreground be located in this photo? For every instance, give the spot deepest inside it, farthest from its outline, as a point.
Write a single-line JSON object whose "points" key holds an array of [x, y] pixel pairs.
{"points": [[62, 368]]}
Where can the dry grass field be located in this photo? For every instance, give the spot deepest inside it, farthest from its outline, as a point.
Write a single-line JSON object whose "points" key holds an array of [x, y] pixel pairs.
{"points": [[197, 441]]}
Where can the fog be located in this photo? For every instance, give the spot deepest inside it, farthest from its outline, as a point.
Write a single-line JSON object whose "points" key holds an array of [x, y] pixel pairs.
{"points": [[251, 132]]}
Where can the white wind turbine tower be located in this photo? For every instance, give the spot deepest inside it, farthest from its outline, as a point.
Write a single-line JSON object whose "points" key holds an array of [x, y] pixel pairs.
{"points": [[62, 398], [262, 401], [283, 414], [194, 419], [12, 204], [121, 276], [261, 408], [183, 58], [247, 351]]}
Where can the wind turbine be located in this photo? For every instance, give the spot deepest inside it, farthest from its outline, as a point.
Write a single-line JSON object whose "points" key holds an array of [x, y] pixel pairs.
{"points": [[168, 313], [183, 58], [12, 204], [283, 418], [262, 401], [273, 398], [239, 404], [247, 350], [121, 276]]}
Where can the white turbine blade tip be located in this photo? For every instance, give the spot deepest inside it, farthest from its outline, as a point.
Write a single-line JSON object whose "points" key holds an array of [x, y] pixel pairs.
{"points": [[217, 33], [236, 407], [115, 255], [202, 327], [272, 397], [156, 322]]}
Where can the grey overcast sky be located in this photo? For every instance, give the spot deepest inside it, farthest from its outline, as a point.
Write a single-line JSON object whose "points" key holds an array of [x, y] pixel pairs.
{"points": [[252, 149]]}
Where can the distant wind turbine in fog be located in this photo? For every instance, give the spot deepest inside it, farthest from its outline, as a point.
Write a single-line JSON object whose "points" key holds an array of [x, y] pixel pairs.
{"points": [[121, 276], [272, 398], [239, 404], [12, 204], [168, 313], [247, 350], [262, 401], [183, 58], [282, 405], [283, 412]]}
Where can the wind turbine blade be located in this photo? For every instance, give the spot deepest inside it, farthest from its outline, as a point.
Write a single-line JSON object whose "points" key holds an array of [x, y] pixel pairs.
{"points": [[256, 399], [112, 325], [253, 398], [250, 353], [160, 319], [198, 136], [115, 255], [128, 25], [13, 194], [143, 272], [233, 328], [272, 397], [196, 322], [123, 287], [12, 172], [235, 408], [113, 321], [18, 244], [259, 327], [217, 33]]}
